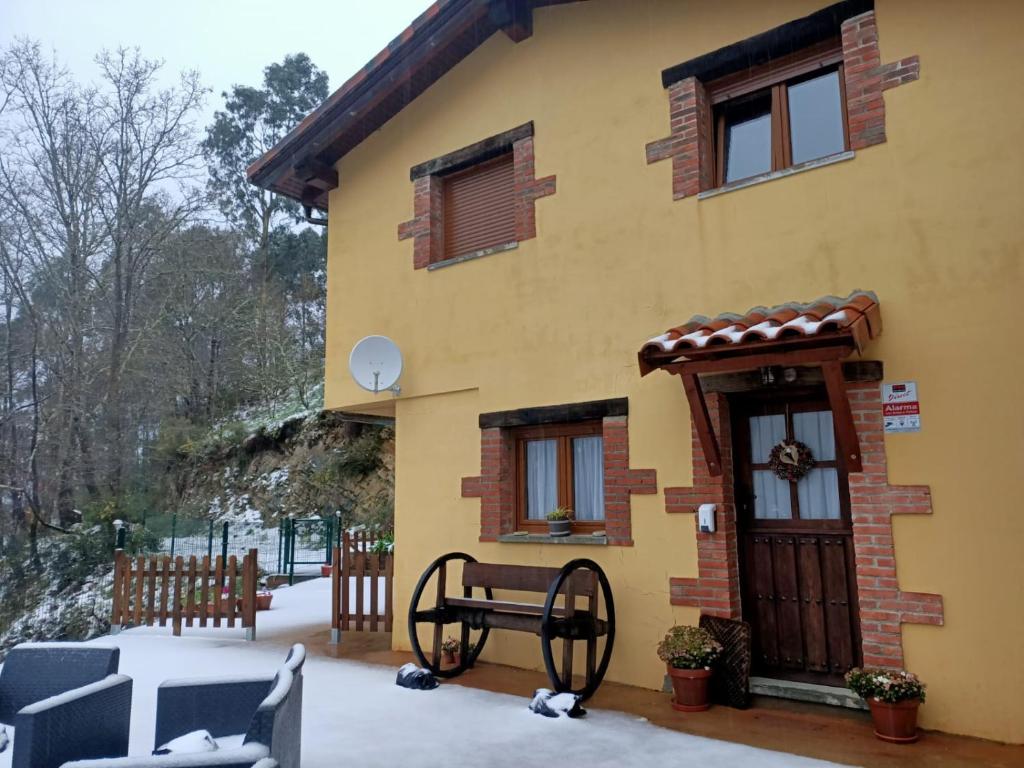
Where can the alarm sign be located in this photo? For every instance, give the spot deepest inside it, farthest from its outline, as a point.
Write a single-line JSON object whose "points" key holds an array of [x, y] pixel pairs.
{"points": [[901, 410]]}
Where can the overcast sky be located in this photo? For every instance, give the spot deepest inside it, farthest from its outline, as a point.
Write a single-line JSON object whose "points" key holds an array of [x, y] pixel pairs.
{"points": [[228, 41]]}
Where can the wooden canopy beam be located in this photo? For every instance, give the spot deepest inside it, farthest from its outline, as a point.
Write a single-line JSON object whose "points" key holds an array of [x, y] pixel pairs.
{"points": [[842, 415], [830, 360], [702, 421]]}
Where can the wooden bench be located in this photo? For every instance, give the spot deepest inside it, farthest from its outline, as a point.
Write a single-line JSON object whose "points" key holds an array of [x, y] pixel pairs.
{"points": [[560, 617]]}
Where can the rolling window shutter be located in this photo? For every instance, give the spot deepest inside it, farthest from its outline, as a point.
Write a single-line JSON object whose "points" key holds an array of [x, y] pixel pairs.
{"points": [[479, 207]]}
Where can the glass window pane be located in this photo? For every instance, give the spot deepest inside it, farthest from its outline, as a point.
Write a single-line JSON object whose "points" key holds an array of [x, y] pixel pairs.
{"points": [[541, 478], [815, 118], [748, 140], [588, 480], [818, 494], [765, 433], [771, 496], [815, 430]]}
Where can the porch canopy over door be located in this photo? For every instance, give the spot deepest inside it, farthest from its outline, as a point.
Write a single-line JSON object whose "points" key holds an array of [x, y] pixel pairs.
{"points": [[822, 332]]}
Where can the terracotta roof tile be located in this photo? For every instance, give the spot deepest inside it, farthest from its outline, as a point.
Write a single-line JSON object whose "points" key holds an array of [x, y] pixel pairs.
{"points": [[856, 316]]}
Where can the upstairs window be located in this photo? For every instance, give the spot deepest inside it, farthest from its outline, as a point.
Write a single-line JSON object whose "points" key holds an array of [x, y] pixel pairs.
{"points": [[560, 466], [771, 119], [479, 207], [475, 201]]}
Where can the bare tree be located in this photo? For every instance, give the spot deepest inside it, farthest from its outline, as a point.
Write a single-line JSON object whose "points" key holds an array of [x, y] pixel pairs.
{"points": [[49, 175], [148, 189]]}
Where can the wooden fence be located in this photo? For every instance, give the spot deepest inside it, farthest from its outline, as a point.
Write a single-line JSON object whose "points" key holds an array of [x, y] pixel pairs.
{"points": [[361, 590], [154, 590], [359, 541]]}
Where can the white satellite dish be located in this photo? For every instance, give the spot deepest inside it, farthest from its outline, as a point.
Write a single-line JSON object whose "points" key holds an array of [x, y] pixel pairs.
{"points": [[376, 363]]}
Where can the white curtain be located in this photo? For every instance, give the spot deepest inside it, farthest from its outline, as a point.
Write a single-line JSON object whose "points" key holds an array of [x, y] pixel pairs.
{"points": [[541, 478], [818, 490], [771, 495], [588, 467], [814, 429], [765, 433]]}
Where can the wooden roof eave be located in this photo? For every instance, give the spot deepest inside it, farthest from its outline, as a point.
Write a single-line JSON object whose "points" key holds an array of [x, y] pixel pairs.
{"points": [[436, 41]]}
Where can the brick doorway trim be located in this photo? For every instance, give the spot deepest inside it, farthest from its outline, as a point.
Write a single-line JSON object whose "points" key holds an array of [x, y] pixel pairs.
{"points": [[884, 607]]}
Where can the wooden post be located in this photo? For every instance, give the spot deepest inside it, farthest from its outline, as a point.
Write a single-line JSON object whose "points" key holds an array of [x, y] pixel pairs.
{"points": [[360, 560], [126, 592], [249, 577], [232, 588], [389, 577], [204, 593], [374, 600], [346, 570], [165, 588], [190, 597], [336, 596], [151, 591], [179, 565], [140, 583], [218, 589], [115, 610]]}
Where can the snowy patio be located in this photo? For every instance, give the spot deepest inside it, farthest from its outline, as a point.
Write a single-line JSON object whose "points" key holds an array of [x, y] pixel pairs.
{"points": [[355, 710]]}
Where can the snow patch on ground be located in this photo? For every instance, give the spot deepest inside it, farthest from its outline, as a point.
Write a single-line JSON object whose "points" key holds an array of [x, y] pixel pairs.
{"points": [[356, 710]]}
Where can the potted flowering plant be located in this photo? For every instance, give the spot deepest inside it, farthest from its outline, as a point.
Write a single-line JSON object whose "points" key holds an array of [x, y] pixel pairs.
{"points": [[264, 597], [559, 521], [893, 696], [450, 651], [689, 652]]}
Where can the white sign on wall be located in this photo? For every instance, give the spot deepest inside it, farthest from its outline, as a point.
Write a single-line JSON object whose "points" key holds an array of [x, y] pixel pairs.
{"points": [[901, 410]]}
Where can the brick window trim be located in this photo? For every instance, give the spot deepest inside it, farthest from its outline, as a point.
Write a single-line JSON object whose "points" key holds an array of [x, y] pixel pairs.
{"points": [[495, 485], [426, 228], [883, 606], [690, 144]]}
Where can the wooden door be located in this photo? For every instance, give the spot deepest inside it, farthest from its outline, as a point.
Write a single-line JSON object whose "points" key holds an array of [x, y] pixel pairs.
{"points": [[796, 542]]}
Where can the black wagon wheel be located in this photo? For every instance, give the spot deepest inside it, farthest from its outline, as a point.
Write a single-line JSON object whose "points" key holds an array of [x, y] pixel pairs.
{"points": [[438, 615], [572, 624]]}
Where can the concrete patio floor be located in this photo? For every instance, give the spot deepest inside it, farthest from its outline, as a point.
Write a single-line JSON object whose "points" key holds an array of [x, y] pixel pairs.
{"points": [[817, 731]]}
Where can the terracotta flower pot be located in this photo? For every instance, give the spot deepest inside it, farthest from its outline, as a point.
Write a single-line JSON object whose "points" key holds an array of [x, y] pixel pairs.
{"points": [[263, 600], [325, 571], [690, 689], [895, 722], [448, 657]]}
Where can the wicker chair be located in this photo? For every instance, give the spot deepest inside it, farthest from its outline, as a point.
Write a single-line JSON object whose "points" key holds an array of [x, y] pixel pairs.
{"points": [[65, 702], [265, 712]]}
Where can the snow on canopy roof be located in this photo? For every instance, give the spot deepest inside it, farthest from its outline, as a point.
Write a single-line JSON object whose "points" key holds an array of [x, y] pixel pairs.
{"points": [[857, 316]]}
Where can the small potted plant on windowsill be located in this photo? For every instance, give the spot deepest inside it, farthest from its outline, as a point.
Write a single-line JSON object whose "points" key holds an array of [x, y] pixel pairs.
{"points": [[689, 652], [559, 521], [450, 651], [893, 696]]}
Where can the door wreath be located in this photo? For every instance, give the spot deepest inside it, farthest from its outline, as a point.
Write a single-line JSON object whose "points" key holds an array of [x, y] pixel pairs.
{"points": [[790, 460]]}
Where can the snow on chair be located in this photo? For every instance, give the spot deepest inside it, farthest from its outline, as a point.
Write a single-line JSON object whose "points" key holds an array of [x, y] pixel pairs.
{"points": [[251, 722], [65, 702]]}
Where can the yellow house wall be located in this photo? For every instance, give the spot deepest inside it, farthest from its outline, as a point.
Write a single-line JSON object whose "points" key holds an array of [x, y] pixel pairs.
{"points": [[931, 220]]}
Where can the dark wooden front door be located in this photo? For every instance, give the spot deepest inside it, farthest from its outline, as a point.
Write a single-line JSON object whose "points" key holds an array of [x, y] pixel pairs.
{"points": [[797, 560]]}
